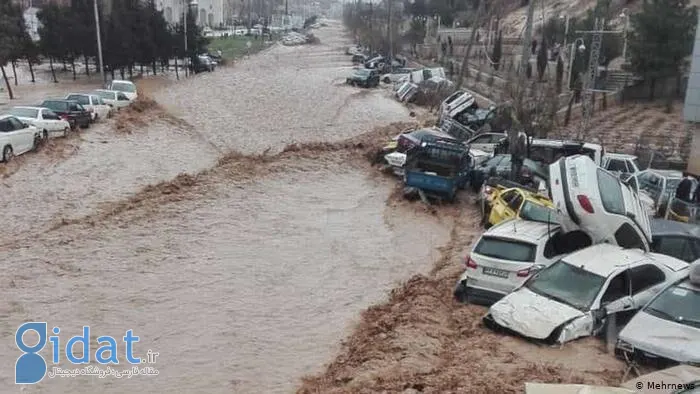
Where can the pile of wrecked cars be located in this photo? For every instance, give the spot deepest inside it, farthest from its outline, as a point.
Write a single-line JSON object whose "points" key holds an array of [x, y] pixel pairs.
{"points": [[577, 245], [587, 260]]}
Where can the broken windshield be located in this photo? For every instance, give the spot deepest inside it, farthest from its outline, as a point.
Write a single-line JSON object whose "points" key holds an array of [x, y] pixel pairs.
{"points": [[567, 284], [677, 303]]}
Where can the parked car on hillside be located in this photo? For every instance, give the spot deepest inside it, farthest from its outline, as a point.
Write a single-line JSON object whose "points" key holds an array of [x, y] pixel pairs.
{"points": [[126, 87], [70, 111], [591, 199], [115, 99], [507, 255], [17, 137], [363, 77], [45, 120], [92, 103], [667, 330], [573, 297]]}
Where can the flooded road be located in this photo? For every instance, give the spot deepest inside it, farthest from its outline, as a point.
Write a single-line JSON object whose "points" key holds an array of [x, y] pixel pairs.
{"points": [[240, 285]]}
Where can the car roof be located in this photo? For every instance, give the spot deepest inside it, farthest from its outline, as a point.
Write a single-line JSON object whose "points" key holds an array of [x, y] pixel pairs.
{"points": [[7, 116], [557, 143], [662, 227], [28, 107], [63, 100], [77, 94], [606, 259], [523, 230], [621, 156], [122, 81], [106, 90]]}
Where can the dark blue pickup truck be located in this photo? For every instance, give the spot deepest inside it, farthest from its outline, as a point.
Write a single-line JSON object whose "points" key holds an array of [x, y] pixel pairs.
{"points": [[439, 169]]}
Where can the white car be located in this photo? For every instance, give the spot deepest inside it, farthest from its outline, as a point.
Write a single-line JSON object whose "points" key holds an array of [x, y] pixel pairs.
{"points": [[126, 87], [93, 104], [620, 163], [591, 199], [508, 254], [116, 100], [45, 120], [16, 137], [668, 327], [573, 297]]}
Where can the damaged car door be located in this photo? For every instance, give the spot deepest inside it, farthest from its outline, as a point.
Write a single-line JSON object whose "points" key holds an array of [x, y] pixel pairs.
{"points": [[591, 199]]}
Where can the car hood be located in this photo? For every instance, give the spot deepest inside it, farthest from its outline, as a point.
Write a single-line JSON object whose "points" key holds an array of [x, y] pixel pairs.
{"points": [[530, 314], [663, 338]]}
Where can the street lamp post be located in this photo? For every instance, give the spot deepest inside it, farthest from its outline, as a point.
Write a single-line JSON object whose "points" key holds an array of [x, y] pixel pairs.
{"points": [[99, 43], [580, 48]]}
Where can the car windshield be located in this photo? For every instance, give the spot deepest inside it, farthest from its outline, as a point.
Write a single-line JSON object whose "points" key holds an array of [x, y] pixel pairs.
{"points": [[677, 303], [537, 213], [24, 112], [610, 192], [124, 87], [106, 95], [567, 284], [362, 72], [80, 98], [506, 249]]}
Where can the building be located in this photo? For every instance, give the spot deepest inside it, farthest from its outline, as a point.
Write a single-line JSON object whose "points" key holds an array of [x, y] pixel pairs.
{"points": [[209, 12], [691, 108]]}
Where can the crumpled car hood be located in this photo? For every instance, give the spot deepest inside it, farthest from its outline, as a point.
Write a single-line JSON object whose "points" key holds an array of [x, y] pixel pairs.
{"points": [[530, 314], [663, 338]]}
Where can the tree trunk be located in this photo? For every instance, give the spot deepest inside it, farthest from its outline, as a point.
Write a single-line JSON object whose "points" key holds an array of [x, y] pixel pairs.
{"points": [[31, 69], [592, 103], [177, 74], [14, 72], [53, 70], [87, 65], [678, 85], [153, 67], [7, 83], [605, 101], [65, 66], [121, 72], [72, 66], [567, 117], [111, 71], [141, 68], [464, 71], [131, 71], [652, 88]]}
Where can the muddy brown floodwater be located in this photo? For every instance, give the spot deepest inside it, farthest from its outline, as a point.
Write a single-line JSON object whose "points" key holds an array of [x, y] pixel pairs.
{"points": [[245, 276]]}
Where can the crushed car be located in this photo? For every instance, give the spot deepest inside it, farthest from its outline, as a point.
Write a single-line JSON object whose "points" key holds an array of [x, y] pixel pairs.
{"points": [[504, 203], [507, 255], [573, 297], [533, 174], [676, 239], [591, 199], [658, 186], [438, 169], [666, 331]]}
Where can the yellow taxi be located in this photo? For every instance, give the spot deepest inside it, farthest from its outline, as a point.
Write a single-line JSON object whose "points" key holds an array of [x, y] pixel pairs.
{"points": [[501, 203]]}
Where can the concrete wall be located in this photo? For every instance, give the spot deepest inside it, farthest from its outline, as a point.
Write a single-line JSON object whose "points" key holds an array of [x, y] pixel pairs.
{"points": [[691, 109], [209, 12]]}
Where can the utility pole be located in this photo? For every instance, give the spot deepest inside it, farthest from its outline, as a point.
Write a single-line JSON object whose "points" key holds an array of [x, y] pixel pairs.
{"points": [[391, 49], [99, 43], [185, 11]]}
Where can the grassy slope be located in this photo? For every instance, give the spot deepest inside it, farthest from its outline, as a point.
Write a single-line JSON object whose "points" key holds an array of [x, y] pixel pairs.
{"points": [[234, 47]]}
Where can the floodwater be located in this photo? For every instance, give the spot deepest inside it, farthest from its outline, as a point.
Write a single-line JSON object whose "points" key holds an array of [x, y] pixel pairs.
{"points": [[243, 289]]}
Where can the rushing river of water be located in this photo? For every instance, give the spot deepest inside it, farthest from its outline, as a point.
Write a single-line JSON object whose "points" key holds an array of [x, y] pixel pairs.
{"points": [[245, 289]]}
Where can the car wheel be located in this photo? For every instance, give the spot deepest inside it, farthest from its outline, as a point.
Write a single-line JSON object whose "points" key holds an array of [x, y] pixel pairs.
{"points": [[36, 143], [387, 80], [460, 293], [66, 131], [7, 154], [45, 135]]}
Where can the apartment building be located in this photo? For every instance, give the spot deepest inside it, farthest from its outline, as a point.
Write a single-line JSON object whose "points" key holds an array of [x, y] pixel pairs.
{"points": [[209, 12]]}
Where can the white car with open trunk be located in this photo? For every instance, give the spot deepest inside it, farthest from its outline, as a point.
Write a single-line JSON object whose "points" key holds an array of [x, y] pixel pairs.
{"points": [[573, 297], [591, 199], [508, 254]]}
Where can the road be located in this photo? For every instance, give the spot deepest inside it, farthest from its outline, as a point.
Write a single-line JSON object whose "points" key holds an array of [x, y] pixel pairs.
{"points": [[243, 275]]}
